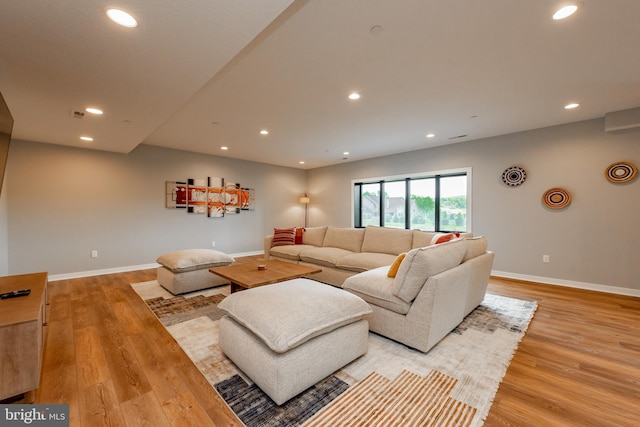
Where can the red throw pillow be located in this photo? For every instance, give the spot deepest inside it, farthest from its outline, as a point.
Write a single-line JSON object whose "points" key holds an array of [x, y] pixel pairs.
{"points": [[298, 239], [283, 236]]}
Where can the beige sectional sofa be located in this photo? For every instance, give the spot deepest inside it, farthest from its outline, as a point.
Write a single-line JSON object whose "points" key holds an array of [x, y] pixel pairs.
{"points": [[343, 252], [435, 287]]}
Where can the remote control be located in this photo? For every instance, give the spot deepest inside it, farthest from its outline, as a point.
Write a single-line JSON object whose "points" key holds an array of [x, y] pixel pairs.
{"points": [[20, 293]]}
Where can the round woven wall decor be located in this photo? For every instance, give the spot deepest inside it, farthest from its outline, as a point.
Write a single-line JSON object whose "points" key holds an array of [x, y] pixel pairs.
{"points": [[514, 176], [621, 172], [556, 198]]}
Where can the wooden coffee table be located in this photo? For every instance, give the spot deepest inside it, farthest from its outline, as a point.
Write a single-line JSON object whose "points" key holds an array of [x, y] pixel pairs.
{"points": [[247, 275]]}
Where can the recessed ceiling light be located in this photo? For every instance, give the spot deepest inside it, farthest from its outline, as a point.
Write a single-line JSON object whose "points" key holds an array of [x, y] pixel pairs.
{"points": [[346, 153], [93, 110], [86, 138], [565, 11], [571, 106], [301, 162], [354, 96], [431, 135], [121, 17], [224, 148], [264, 132]]}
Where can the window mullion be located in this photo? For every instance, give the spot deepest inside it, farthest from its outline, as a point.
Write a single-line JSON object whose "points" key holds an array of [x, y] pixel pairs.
{"points": [[436, 225], [407, 203], [382, 202]]}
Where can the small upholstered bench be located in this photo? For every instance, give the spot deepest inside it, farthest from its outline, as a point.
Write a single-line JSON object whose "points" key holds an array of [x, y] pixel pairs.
{"points": [[188, 270], [288, 336]]}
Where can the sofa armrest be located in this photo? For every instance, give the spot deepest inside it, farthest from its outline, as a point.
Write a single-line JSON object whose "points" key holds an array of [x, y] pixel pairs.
{"points": [[268, 240], [479, 280], [440, 304]]}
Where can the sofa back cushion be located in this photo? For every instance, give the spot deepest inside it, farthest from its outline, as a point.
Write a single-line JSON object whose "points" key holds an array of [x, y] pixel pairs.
{"points": [[344, 238], [314, 236], [422, 263], [422, 238], [476, 246], [392, 241]]}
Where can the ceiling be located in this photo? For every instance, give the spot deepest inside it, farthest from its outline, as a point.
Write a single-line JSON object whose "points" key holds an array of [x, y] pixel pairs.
{"points": [[201, 74]]}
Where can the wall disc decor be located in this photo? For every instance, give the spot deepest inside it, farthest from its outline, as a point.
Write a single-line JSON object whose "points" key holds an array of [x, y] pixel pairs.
{"points": [[620, 172], [514, 176], [556, 198]]}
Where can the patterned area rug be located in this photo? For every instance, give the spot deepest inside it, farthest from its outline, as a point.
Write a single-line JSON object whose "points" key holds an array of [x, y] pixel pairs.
{"points": [[453, 384]]}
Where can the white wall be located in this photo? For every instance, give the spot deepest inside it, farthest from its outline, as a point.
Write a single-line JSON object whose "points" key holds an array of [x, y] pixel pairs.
{"points": [[64, 202], [4, 231], [59, 203], [593, 243]]}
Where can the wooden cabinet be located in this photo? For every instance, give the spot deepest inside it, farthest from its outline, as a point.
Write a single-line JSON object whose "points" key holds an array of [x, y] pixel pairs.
{"points": [[22, 333]]}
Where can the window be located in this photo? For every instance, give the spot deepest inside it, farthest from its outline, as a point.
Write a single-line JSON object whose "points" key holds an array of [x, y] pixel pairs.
{"points": [[437, 201]]}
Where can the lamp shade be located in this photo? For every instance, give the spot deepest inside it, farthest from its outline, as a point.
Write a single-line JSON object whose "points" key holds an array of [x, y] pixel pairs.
{"points": [[305, 200]]}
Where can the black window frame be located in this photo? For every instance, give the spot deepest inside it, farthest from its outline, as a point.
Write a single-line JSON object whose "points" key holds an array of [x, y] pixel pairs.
{"points": [[357, 196]]}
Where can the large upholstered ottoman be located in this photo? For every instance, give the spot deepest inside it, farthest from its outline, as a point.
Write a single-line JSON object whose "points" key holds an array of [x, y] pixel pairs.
{"points": [[288, 336], [188, 270]]}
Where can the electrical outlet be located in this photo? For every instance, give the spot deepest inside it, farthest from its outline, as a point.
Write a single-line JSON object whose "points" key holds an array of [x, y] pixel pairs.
{"points": [[213, 243], [545, 258], [94, 254]]}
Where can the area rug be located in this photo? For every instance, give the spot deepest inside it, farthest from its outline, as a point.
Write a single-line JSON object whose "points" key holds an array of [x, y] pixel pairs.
{"points": [[453, 384]]}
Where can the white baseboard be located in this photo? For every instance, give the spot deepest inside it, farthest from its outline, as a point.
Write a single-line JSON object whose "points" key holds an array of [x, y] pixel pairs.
{"points": [[76, 275], [568, 283]]}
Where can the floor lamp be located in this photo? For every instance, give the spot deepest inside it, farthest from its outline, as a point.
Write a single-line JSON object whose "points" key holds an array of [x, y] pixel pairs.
{"points": [[305, 200]]}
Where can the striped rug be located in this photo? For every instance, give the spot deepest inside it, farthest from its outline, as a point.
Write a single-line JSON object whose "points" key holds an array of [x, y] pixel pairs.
{"points": [[407, 400]]}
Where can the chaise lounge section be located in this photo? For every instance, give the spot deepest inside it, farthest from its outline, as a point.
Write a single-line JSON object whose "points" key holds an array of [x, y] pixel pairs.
{"points": [[434, 289]]}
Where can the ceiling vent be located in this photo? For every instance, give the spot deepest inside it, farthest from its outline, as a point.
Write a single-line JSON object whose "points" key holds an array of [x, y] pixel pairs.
{"points": [[457, 137], [77, 114], [622, 121]]}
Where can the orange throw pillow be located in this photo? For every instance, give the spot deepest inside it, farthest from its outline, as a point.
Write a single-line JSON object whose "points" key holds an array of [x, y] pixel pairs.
{"points": [[443, 238], [393, 270]]}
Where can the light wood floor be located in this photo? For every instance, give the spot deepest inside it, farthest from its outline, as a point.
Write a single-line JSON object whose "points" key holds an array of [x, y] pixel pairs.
{"points": [[109, 358]]}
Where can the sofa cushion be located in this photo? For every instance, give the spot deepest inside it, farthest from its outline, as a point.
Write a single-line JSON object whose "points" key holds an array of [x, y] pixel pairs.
{"points": [[393, 270], [476, 246], [298, 239], [287, 314], [291, 252], [385, 240], [314, 236], [422, 238], [324, 256], [422, 263], [376, 288], [193, 259], [363, 261], [283, 236], [344, 238]]}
